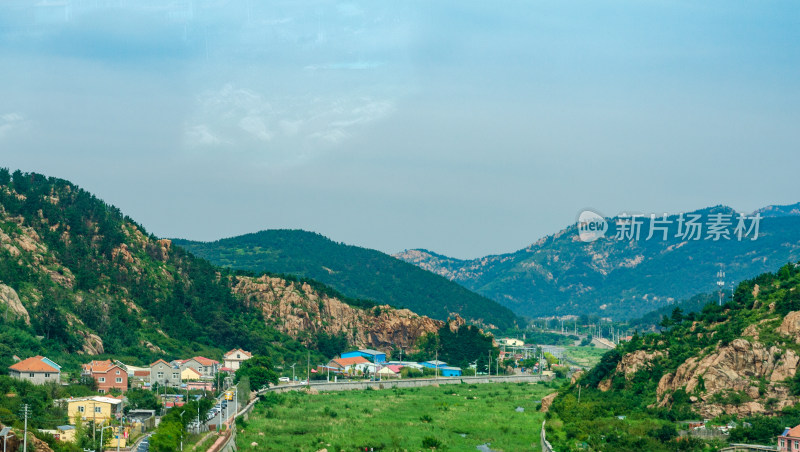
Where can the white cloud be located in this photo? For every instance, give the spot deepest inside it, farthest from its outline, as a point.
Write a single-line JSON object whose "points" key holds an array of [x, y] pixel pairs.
{"points": [[12, 122], [284, 127], [200, 135]]}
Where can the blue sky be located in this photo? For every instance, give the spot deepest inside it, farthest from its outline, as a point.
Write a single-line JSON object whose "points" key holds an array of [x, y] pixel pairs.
{"points": [[468, 128]]}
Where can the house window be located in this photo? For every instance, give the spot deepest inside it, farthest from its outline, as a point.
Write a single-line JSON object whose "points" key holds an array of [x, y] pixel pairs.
{"points": [[160, 375], [46, 375], [101, 391], [238, 356], [119, 379], [31, 375], [117, 372], [102, 379], [81, 409], [98, 409], [175, 375]]}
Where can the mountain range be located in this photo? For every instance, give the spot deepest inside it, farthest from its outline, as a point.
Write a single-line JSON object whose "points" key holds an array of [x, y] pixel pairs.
{"points": [[77, 277], [354, 271], [625, 277]]}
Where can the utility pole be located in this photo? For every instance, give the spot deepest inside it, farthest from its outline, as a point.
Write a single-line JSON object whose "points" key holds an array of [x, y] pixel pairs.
{"points": [[182, 428], [489, 369], [25, 412], [292, 366], [436, 363], [308, 370], [721, 285]]}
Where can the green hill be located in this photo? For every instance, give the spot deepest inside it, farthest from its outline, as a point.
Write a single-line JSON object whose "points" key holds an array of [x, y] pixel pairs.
{"points": [[735, 363], [621, 279], [355, 271], [78, 278]]}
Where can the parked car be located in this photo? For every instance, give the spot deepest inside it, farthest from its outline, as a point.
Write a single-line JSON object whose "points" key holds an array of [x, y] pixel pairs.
{"points": [[284, 379]]}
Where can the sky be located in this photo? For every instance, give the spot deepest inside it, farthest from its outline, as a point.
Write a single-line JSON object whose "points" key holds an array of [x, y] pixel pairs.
{"points": [[464, 127]]}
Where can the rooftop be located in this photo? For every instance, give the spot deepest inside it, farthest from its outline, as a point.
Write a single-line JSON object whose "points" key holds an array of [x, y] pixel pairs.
{"points": [[36, 364], [98, 399], [351, 361], [238, 350], [793, 432]]}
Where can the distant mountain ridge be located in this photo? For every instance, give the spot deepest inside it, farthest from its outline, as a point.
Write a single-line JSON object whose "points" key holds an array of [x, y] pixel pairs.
{"points": [[560, 274], [355, 271], [780, 211]]}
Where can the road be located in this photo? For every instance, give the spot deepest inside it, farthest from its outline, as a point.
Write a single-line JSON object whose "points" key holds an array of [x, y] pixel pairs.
{"points": [[144, 446]]}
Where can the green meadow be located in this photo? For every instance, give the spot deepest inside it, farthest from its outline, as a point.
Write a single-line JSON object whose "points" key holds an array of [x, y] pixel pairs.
{"points": [[584, 356], [450, 417]]}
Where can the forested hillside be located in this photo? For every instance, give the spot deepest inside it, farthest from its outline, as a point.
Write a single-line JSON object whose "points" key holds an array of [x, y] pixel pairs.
{"points": [[355, 271], [738, 362]]}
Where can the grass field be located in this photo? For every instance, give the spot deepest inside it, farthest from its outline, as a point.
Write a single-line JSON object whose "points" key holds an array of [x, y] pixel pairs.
{"points": [[584, 356], [450, 417]]}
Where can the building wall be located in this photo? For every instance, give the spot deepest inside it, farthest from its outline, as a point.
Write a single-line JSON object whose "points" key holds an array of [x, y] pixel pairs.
{"points": [[233, 362], [170, 376], [37, 378], [115, 378], [92, 410], [206, 371]]}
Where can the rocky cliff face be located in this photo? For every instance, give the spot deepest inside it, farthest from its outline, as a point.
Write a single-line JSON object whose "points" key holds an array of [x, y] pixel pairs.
{"points": [[297, 310], [753, 370]]}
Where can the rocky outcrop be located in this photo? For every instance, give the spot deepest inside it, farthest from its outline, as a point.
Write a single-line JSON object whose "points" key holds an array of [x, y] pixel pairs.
{"points": [[736, 367], [633, 362], [15, 443], [92, 344], [791, 326], [10, 304], [629, 365], [547, 401], [299, 311]]}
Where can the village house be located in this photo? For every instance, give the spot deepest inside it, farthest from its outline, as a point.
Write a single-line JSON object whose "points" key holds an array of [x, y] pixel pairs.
{"points": [[97, 409], [207, 368], [65, 433], [354, 365], [165, 374], [789, 441], [107, 374], [38, 370], [373, 356], [234, 358]]}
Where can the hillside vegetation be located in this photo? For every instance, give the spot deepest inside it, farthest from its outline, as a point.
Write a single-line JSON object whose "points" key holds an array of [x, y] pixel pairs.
{"points": [[738, 362], [356, 272], [622, 279], [77, 277]]}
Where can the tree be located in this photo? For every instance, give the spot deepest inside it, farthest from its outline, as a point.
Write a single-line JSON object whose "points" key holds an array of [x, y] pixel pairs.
{"points": [[140, 399], [259, 370], [677, 315]]}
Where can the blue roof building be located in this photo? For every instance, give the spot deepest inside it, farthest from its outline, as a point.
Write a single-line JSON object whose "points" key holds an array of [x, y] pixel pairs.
{"points": [[434, 364], [372, 355], [448, 371]]}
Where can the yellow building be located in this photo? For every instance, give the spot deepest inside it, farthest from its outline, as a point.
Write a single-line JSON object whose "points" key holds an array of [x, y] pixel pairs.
{"points": [[190, 374], [65, 433], [97, 409]]}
